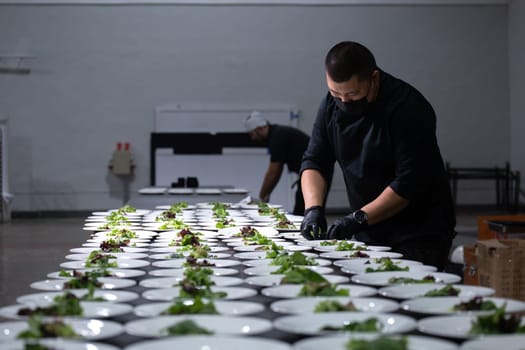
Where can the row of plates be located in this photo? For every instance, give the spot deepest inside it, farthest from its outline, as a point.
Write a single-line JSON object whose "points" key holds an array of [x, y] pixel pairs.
{"points": [[305, 324]]}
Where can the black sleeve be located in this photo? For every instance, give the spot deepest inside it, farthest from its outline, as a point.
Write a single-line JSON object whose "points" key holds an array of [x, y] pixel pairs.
{"points": [[414, 146], [320, 155]]}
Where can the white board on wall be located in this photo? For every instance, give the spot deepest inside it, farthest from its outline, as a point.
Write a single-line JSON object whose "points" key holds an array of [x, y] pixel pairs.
{"points": [[183, 118]]}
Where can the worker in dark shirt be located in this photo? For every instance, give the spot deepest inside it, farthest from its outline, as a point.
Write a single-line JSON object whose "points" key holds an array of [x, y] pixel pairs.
{"points": [[382, 133], [286, 145]]}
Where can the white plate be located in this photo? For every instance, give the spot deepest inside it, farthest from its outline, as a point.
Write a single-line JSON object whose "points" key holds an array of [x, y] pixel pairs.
{"points": [[291, 290], [95, 243], [371, 254], [45, 299], [88, 329], [117, 273], [107, 283], [415, 342], [381, 278], [445, 305], [152, 190], [332, 248], [223, 307], [166, 207], [361, 269], [119, 256], [267, 262], [90, 309], [491, 342], [168, 256], [60, 344], [231, 325], [217, 271], [275, 280], [121, 264], [126, 249], [232, 231], [168, 282], [311, 324], [410, 291], [175, 263], [262, 255], [449, 326], [315, 243], [359, 262], [215, 342], [306, 305], [175, 249], [167, 294], [268, 269]]}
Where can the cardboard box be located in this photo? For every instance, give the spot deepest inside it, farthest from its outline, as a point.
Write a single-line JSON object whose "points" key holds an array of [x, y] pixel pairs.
{"points": [[501, 266]]}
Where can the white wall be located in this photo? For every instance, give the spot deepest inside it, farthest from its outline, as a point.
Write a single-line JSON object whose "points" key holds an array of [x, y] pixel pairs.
{"points": [[100, 71], [517, 84]]}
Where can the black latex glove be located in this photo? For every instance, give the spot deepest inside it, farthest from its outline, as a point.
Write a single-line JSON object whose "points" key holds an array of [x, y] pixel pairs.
{"points": [[314, 223], [344, 228]]}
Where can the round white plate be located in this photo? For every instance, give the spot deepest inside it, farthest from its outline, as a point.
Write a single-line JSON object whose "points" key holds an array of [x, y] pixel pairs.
{"points": [[175, 263], [262, 255], [318, 242], [119, 256], [95, 244], [359, 267], [311, 324], [117, 273], [275, 280], [291, 290], [269, 269], [267, 262], [125, 249], [415, 342], [410, 291], [121, 264], [232, 231], [90, 309], [171, 250], [88, 329], [223, 307], [382, 278], [491, 342], [358, 262], [167, 294], [168, 282], [449, 326], [445, 305], [214, 342], [217, 271], [306, 305], [370, 254], [45, 299], [231, 325], [166, 207], [168, 256], [60, 344], [332, 248], [107, 283]]}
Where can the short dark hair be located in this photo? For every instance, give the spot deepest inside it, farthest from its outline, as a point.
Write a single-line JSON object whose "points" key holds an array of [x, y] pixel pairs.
{"points": [[347, 59]]}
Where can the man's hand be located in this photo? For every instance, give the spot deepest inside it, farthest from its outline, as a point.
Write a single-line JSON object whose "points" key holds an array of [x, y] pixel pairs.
{"points": [[345, 228], [314, 223]]}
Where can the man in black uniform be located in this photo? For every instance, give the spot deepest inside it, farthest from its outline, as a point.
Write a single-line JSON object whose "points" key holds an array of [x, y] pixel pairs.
{"points": [[286, 146], [382, 132]]}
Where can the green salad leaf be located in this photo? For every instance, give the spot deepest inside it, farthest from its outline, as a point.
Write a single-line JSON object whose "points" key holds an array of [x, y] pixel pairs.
{"points": [[195, 306], [334, 306], [369, 325], [186, 327], [447, 290], [47, 329], [380, 343]]}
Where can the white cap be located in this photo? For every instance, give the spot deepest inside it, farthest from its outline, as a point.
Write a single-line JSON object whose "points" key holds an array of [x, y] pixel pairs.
{"points": [[254, 120]]}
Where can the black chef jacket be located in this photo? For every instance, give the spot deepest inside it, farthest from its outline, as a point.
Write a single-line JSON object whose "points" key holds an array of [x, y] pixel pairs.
{"points": [[393, 144], [287, 145]]}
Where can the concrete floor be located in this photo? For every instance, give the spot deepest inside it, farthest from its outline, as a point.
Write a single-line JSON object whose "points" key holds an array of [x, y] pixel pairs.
{"points": [[30, 248]]}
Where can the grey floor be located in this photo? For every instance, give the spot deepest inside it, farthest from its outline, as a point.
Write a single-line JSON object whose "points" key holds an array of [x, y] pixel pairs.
{"points": [[31, 248]]}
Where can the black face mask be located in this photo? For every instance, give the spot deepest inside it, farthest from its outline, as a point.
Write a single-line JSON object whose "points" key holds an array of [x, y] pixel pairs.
{"points": [[353, 108]]}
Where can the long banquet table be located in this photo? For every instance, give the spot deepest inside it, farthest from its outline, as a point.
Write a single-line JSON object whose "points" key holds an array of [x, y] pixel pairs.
{"points": [[198, 219]]}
